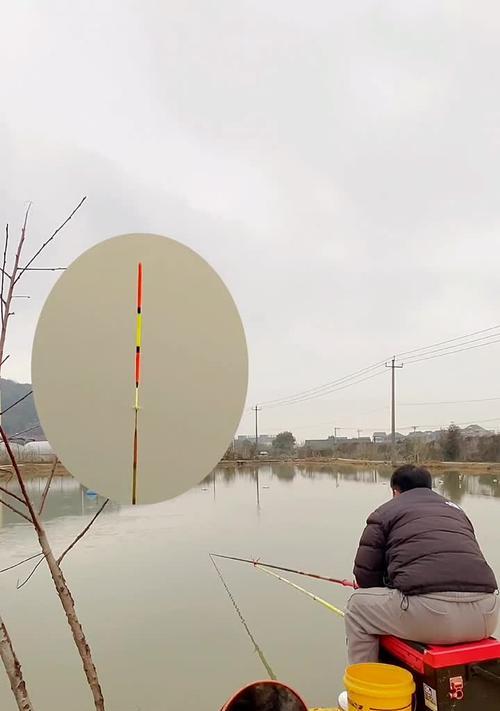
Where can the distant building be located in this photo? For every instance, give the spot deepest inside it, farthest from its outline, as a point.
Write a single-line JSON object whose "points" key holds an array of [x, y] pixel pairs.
{"points": [[264, 439], [476, 431], [424, 436], [321, 445], [379, 437]]}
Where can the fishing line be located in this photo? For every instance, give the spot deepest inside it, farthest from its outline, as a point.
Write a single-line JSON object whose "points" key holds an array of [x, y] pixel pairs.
{"points": [[264, 661]]}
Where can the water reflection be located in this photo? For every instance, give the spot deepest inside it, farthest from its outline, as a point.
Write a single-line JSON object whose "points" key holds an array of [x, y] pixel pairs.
{"points": [[68, 498], [452, 484]]}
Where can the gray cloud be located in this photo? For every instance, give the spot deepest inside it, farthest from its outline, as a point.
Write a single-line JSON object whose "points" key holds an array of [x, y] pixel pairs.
{"points": [[337, 165]]}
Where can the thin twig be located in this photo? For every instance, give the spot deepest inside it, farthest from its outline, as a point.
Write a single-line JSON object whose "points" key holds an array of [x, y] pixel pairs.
{"points": [[30, 262], [10, 292], [45, 269], [3, 361], [81, 534], [6, 243], [47, 486], [15, 510], [31, 574], [24, 491], [16, 402], [63, 554], [37, 555], [11, 493]]}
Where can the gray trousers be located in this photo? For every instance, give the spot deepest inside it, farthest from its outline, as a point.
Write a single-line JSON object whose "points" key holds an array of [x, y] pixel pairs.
{"points": [[438, 618]]}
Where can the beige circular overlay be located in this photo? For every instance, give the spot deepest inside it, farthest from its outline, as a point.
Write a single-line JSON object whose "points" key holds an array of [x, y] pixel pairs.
{"points": [[193, 372]]}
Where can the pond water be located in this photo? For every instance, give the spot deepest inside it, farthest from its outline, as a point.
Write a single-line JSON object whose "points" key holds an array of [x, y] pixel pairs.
{"points": [[162, 628]]}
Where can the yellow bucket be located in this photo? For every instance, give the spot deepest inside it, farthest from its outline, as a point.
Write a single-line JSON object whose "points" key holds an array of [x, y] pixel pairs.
{"points": [[380, 687]]}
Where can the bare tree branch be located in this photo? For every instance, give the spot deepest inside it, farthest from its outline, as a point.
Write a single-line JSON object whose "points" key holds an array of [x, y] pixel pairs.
{"points": [[47, 486], [16, 402], [6, 244], [62, 588], [20, 480], [13, 669], [67, 550], [11, 493], [12, 508], [81, 534], [45, 269], [11, 567], [19, 586], [10, 291], [30, 262], [6, 652]]}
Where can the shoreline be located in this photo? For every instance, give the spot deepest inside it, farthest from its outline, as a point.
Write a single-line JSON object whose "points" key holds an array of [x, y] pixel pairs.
{"points": [[43, 469], [33, 469], [433, 466]]}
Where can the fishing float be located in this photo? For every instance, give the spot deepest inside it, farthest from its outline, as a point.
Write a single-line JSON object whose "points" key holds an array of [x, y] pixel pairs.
{"points": [[138, 343]]}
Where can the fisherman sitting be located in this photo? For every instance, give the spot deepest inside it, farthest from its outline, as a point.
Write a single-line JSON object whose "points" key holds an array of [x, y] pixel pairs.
{"points": [[420, 572]]}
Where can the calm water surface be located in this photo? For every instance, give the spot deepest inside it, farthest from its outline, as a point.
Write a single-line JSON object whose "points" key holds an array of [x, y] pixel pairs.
{"points": [[162, 629]]}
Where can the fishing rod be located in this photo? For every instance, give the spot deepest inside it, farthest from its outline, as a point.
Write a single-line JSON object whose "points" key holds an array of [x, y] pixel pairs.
{"points": [[326, 604], [257, 563]]}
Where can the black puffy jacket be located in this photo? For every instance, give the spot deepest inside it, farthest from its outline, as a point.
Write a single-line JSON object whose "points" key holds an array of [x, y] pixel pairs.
{"points": [[421, 543]]}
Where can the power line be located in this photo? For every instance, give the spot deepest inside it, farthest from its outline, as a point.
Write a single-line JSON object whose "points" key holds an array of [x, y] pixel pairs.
{"points": [[326, 386], [448, 402], [460, 350], [293, 401], [421, 354], [449, 348], [450, 340]]}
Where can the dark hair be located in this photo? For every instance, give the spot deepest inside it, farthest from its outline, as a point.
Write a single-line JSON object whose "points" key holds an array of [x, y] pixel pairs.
{"points": [[409, 477]]}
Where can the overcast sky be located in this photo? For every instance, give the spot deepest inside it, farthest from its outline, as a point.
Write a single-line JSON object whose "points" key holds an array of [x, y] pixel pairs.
{"points": [[337, 163]]}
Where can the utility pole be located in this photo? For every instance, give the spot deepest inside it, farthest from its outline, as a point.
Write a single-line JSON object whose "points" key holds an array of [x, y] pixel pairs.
{"points": [[359, 432], [392, 365], [335, 433], [256, 409]]}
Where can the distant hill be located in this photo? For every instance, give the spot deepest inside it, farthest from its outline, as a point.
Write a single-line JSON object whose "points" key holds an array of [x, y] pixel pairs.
{"points": [[22, 416]]}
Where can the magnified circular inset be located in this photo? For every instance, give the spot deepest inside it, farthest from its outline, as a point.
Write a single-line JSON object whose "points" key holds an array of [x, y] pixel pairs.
{"points": [[139, 368]]}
